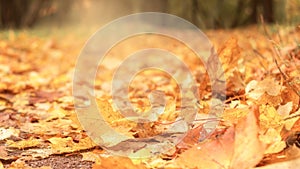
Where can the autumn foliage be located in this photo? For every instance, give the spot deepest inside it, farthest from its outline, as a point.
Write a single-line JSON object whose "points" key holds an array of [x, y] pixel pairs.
{"points": [[259, 128]]}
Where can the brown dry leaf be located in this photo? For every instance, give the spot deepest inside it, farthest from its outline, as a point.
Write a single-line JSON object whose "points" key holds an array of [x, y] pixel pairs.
{"points": [[3, 153], [239, 147], [255, 89], [270, 100], [284, 110], [230, 53], [67, 145], [109, 114], [288, 95], [44, 96], [31, 142], [56, 112], [234, 115], [236, 82], [33, 85], [191, 138], [114, 118], [232, 60], [170, 113]]}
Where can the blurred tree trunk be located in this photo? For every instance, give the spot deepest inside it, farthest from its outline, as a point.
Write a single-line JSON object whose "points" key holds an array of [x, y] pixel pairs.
{"points": [[253, 16], [239, 9], [32, 14], [21, 13], [155, 6], [11, 12], [195, 8], [268, 10]]}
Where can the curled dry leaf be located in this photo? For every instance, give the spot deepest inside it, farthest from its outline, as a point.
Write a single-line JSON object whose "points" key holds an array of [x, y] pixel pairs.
{"points": [[288, 95], [284, 110], [255, 89], [230, 53]]}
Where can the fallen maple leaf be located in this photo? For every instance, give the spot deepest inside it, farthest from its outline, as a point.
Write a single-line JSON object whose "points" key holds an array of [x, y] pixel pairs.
{"points": [[248, 149], [239, 147], [269, 118], [292, 164]]}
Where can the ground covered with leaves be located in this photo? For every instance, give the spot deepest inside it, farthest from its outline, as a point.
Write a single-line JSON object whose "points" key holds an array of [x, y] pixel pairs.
{"points": [[260, 125]]}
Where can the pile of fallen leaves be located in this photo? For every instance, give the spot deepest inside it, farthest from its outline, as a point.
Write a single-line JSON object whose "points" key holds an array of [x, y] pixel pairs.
{"points": [[260, 125]]}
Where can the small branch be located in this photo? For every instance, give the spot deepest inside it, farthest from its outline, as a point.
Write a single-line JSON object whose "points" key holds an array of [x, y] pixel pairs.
{"points": [[7, 108], [291, 117], [285, 77], [6, 100], [259, 54], [275, 48], [235, 97]]}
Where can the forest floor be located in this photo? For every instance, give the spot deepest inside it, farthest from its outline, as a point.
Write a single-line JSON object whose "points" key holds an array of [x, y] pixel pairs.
{"points": [[259, 128]]}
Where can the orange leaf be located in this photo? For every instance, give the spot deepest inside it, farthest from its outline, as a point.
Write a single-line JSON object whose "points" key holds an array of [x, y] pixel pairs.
{"points": [[239, 147]]}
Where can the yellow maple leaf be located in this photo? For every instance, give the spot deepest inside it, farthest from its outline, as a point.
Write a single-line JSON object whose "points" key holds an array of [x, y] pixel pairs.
{"points": [[269, 118], [65, 145], [31, 142]]}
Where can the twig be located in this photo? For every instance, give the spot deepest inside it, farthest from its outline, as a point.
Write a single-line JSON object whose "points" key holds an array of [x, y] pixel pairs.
{"points": [[285, 77], [6, 100], [233, 98], [7, 108], [279, 36], [275, 47], [264, 26], [291, 117], [259, 54]]}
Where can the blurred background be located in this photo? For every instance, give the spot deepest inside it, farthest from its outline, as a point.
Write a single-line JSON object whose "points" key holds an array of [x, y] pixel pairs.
{"points": [[213, 14]]}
